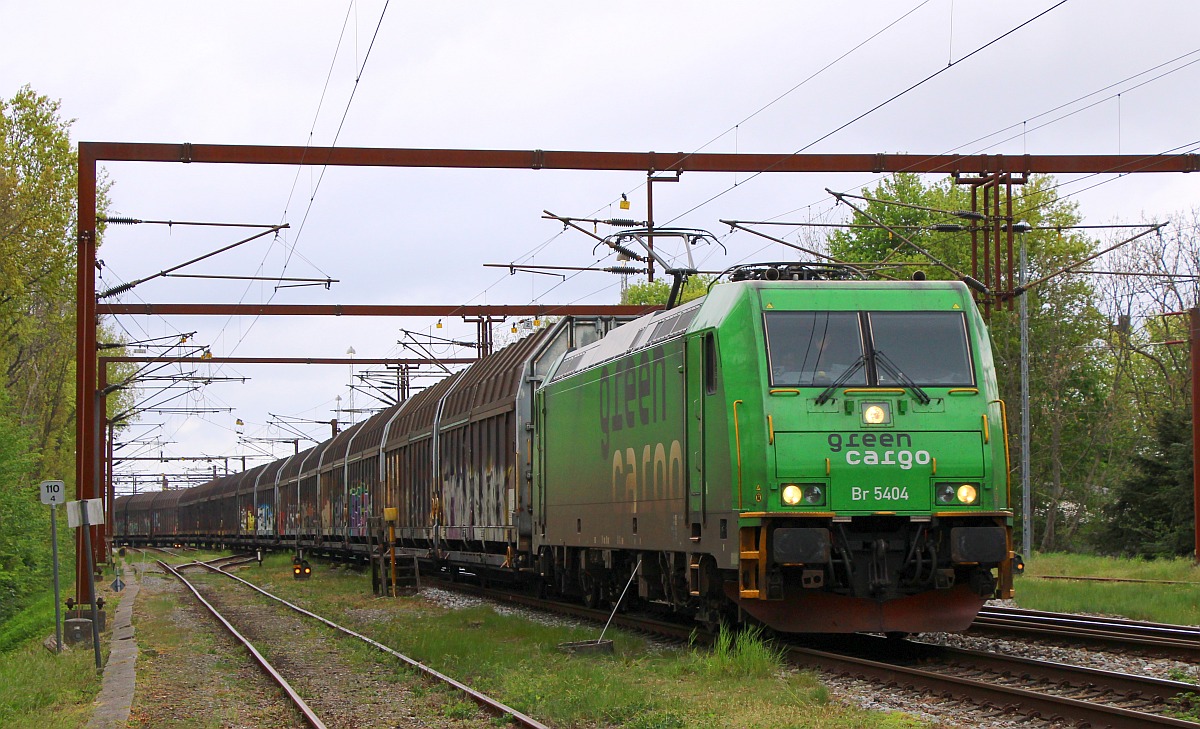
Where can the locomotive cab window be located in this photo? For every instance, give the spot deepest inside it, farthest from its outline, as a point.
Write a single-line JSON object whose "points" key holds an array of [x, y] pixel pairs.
{"points": [[814, 348], [929, 347], [818, 348]]}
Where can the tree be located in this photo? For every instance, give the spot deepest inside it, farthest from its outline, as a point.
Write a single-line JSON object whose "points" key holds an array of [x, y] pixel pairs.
{"points": [[1152, 381], [1152, 513], [21, 558], [655, 293], [37, 327]]}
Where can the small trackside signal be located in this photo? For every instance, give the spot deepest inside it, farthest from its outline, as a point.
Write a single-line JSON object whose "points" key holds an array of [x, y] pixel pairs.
{"points": [[301, 569]]}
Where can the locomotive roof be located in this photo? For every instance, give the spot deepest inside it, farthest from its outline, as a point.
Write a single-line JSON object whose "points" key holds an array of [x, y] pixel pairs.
{"points": [[660, 326], [637, 334]]}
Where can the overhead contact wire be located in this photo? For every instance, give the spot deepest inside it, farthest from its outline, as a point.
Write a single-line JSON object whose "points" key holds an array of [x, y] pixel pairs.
{"points": [[325, 166], [873, 109]]}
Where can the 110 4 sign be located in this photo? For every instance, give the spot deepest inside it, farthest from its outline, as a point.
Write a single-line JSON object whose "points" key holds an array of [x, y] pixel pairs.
{"points": [[53, 492]]}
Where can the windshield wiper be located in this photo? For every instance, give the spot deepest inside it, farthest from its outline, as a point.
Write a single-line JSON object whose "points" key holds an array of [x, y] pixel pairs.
{"points": [[898, 375], [841, 380]]}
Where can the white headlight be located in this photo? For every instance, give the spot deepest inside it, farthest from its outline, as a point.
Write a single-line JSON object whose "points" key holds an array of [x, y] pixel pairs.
{"points": [[876, 413], [792, 494], [967, 493]]}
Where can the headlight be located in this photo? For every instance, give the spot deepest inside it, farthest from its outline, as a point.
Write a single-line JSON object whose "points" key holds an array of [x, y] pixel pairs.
{"points": [[807, 494], [956, 493], [876, 413]]}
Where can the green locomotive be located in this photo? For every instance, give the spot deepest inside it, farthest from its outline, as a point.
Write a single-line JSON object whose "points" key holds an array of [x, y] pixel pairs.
{"points": [[822, 455]]}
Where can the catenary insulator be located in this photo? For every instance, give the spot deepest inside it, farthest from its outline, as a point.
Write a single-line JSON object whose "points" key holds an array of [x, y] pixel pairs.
{"points": [[625, 251]]}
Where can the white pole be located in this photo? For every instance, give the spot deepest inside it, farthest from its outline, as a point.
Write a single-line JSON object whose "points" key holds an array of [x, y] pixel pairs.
{"points": [[1026, 497], [57, 601], [351, 352]]}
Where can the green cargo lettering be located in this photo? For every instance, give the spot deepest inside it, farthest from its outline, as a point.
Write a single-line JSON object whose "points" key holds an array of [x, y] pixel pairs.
{"points": [[903, 459], [869, 440], [656, 477], [632, 392]]}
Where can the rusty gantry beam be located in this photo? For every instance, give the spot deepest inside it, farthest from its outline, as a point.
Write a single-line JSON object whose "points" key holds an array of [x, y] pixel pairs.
{"points": [[501, 310], [89, 407]]}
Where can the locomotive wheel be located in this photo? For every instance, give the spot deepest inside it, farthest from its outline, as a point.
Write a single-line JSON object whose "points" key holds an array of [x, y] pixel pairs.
{"points": [[590, 590]]}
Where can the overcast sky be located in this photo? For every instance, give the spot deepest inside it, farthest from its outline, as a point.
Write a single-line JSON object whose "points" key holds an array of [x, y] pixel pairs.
{"points": [[612, 76]]}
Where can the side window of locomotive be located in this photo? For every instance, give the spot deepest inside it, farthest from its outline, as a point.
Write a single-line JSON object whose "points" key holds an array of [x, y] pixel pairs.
{"points": [[930, 347], [710, 364], [814, 348]]}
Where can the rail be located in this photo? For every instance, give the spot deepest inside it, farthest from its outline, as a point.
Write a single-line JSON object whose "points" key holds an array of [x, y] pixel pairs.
{"points": [[1178, 640], [309, 715], [486, 702]]}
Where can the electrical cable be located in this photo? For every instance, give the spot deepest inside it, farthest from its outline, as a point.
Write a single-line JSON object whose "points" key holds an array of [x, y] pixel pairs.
{"points": [[873, 109], [291, 249]]}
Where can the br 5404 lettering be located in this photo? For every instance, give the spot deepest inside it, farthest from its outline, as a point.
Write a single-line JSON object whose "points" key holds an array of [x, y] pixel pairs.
{"points": [[880, 493]]}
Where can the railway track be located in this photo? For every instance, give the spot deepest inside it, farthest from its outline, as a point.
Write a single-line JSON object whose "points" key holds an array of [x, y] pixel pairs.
{"points": [[310, 716], [1002, 685], [998, 685], [487, 703], [1177, 641], [229, 560]]}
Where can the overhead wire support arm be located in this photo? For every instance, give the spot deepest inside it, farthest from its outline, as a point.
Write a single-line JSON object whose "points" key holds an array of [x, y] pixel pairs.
{"points": [[374, 391], [615, 246], [569, 223], [443, 340], [326, 282], [124, 220], [513, 268], [964, 214], [1153, 228], [531, 268], [285, 425], [186, 411], [968, 280], [809, 224], [615, 222], [738, 225], [116, 345], [135, 410], [425, 351], [127, 286]]}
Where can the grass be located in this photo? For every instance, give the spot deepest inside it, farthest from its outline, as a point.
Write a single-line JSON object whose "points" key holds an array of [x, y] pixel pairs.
{"points": [[42, 690], [1083, 565], [45, 691], [741, 682], [35, 620], [1178, 604], [1185, 706]]}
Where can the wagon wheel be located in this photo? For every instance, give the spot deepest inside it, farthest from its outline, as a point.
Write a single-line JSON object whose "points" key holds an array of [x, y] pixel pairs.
{"points": [[590, 588]]}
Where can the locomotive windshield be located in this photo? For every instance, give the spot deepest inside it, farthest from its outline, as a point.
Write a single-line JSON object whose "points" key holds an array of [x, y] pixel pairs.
{"points": [[930, 347], [815, 348]]}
